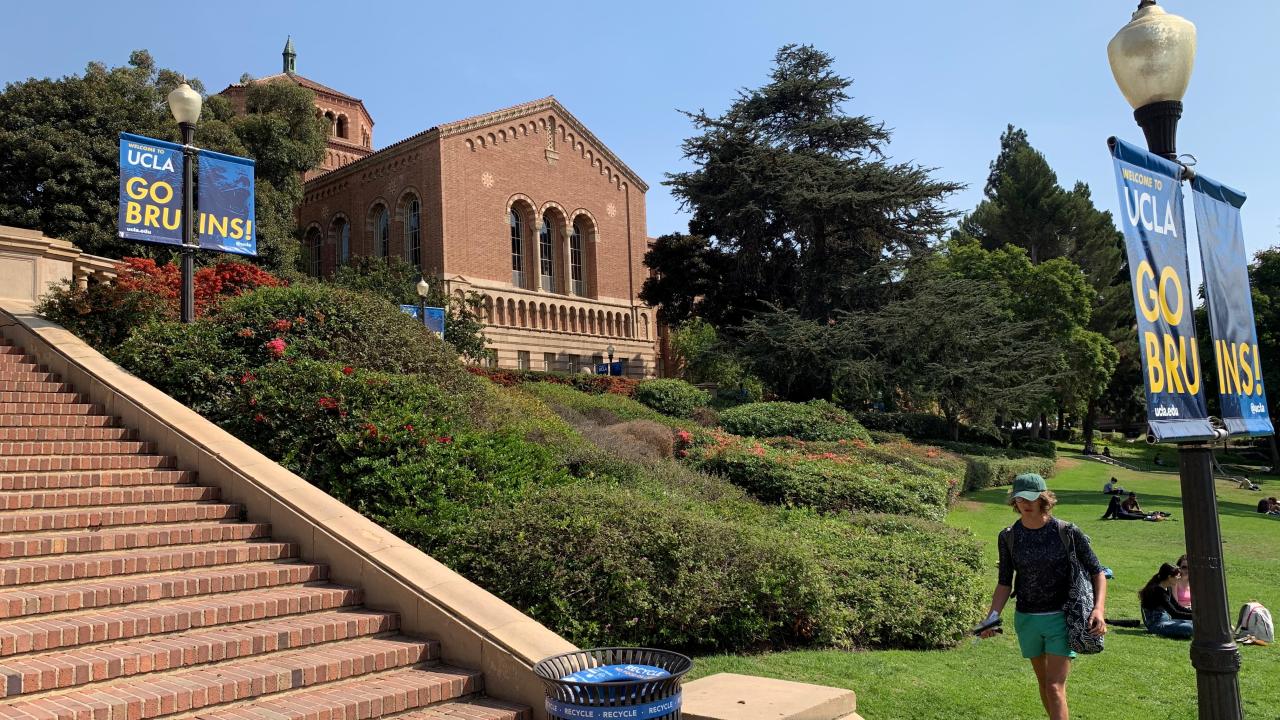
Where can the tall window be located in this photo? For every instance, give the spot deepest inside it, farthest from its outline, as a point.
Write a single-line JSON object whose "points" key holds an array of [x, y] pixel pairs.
{"points": [[517, 249], [382, 233], [413, 233], [575, 261], [522, 359], [546, 253], [344, 242], [313, 252]]}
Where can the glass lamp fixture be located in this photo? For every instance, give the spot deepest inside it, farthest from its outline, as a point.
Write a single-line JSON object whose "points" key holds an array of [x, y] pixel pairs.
{"points": [[423, 288], [185, 103], [1151, 58]]}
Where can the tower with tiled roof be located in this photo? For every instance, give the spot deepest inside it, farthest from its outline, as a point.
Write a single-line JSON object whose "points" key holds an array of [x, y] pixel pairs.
{"points": [[349, 123]]}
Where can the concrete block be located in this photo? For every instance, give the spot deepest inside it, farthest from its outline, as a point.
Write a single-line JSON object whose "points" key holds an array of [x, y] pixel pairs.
{"points": [[729, 696]]}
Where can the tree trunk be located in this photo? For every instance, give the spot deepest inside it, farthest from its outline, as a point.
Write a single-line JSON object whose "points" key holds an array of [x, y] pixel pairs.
{"points": [[1044, 427], [1062, 419], [1275, 454], [1035, 426], [1090, 420]]}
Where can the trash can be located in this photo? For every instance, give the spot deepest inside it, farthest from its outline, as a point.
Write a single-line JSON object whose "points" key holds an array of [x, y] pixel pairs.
{"points": [[613, 684]]}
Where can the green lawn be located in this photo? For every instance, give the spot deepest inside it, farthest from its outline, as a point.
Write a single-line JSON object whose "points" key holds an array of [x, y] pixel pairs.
{"points": [[1138, 676]]}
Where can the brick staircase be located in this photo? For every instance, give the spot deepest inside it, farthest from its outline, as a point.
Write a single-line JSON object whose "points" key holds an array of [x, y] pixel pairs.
{"points": [[128, 591]]}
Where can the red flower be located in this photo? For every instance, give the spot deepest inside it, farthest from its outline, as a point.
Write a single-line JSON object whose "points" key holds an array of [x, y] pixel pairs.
{"points": [[276, 347], [444, 439], [253, 402], [247, 378], [245, 332], [409, 428], [371, 430], [327, 403], [348, 370], [282, 325], [259, 418]]}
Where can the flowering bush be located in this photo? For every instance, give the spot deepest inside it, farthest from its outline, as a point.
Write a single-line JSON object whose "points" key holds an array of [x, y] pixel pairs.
{"points": [[212, 284]]}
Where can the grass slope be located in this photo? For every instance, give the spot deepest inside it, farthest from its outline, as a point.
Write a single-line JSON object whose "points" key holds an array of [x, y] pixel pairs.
{"points": [[1138, 676]]}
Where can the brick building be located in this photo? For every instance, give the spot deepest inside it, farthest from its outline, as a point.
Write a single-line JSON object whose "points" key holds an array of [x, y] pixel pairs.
{"points": [[350, 125], [523, 205]]}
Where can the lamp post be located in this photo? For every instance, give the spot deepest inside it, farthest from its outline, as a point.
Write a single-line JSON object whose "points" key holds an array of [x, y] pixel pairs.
{"points": [[1151, 58], [184, 103], [609, 351], [423, 288]]}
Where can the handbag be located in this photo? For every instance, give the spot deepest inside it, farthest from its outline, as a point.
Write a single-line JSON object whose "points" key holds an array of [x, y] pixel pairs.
{"points": [[1079, 601]]}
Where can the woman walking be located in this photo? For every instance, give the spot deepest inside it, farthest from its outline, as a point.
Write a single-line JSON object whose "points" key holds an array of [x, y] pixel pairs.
{"points": [[1035, 567]]}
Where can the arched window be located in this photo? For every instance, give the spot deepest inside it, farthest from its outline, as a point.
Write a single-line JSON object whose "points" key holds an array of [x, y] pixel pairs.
{"points": [[413, 233], [575, 260], [342, 126], [517, 249], [343, 231], [546, 253], [312, 252], [329, 118], [382, 233]]}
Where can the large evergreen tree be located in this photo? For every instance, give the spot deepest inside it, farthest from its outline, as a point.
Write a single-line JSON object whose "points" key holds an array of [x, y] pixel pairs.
{"points": [[798, 201], [59, 168]]}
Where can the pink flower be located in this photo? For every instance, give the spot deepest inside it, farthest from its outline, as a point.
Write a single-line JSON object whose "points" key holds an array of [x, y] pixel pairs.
{"points": [[276, 347], [247, 378], [327, 403], [245, 332], [444, 439], [409, 428], [259, 418]]}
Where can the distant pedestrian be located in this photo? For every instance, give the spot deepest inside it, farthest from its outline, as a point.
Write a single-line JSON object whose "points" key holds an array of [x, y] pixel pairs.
{"points": [[1034, 561]]}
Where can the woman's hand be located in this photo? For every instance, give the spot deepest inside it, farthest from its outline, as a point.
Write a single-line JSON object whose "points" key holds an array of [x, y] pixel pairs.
{"points": [[988, 633], [1097, 622]]}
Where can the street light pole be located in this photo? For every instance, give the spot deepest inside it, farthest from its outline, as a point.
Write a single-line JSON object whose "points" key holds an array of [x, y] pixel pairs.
{"points": [[423, 288], [609, 350], [184, 103], [1151, 58]]}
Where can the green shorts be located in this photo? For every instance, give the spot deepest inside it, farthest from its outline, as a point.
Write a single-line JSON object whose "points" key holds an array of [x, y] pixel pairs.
{"points": [[1042, 634]]}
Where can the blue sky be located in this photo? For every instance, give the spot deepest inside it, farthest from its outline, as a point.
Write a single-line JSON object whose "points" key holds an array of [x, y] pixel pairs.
{"points": [[945, 76]]}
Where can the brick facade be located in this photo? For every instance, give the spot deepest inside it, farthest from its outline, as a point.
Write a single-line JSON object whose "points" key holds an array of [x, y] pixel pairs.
{"points": [[467, 179]]}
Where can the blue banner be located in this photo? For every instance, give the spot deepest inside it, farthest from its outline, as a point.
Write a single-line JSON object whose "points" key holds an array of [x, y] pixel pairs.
{"points": [[150, 190], [614, 368], [435, 318], [1226, 281], [226, 204], [1155, 240]]}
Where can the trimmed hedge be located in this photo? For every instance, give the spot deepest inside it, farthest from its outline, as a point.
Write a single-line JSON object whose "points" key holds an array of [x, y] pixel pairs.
{"points": [[814, 420], [985, 472], [586, 382], [829, 481], [676, 398], [609, 408], [1036, 446], [648, 562]]}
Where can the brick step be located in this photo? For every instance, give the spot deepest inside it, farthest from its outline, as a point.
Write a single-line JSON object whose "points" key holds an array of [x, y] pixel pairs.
{"points": [[93, 541], [8, 373], [18, 364], [31, 408], [21, 386], [93, 497], [79, 595], [54, 463], [477, 709], [367, 697], [76, 447], [93, 478], [21, 521], [61, 421], [67, 668], [46, 434], [8, 348], [26, 635], [237, 680], [129, 562], [27, 396]]}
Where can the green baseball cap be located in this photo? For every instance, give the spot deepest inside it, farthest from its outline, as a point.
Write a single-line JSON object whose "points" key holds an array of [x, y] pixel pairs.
{"points": [[1028, 486]]}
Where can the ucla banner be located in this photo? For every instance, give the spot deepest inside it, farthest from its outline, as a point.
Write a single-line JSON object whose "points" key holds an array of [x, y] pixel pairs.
{"points": [[1226, 280], [150, 190], [1155, 240], [434, 321], [226, 204]]}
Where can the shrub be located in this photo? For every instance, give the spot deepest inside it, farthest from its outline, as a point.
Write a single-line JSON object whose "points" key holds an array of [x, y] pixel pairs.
{"points": [[212, 284], [191, 363], [985, 472], [102, 314], [705, 416], [814, 420], [918, 426], [1037, 446], [601, 406], [676, 398], [635, 564], [829, 481], [586, 382]]}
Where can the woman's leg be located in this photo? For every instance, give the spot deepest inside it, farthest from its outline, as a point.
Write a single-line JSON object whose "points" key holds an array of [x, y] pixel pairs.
{"points": [[1175, 629], [1056, 669], [1038, 664]]}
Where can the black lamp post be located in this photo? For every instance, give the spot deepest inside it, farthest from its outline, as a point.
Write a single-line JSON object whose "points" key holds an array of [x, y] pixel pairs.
{"points": [[609, 351], [184, 103], [1151, 58], [424, 289]]}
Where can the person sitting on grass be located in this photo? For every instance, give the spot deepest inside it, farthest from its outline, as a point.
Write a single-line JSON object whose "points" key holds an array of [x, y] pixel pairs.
{"points": [[1130, 505], [1116, 511], [1269, 506], [1182, 585], [1113, 487], [1161, 614], [1106, 451]]}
